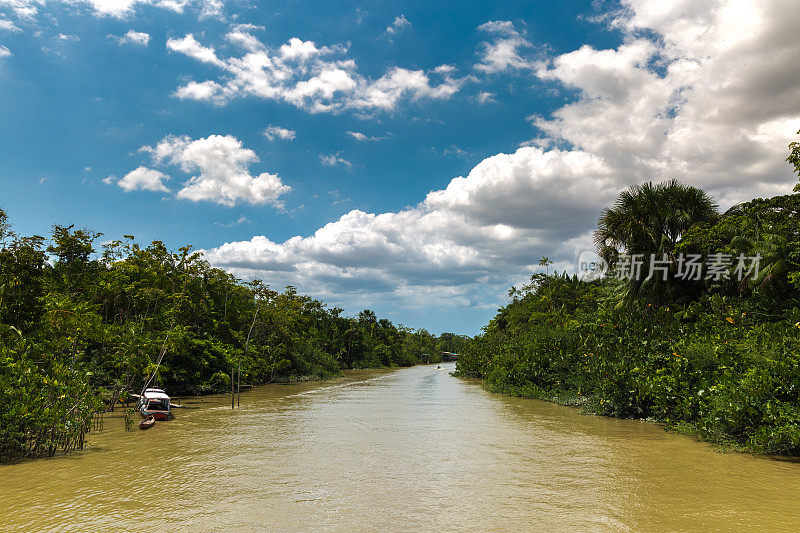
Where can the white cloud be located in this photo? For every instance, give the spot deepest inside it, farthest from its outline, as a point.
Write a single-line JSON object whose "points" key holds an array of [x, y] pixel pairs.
{"points": [[7, 25], [4, 52], [190, 47], [241, 36], [485, 97], [450, 247], [28, 9], [385, 92], [238, 222], [24, 9], [143, 179], [357, 135], [137, 38], [276, 132], [706, 92], [363, 137], [114, 8], [713, 104], [331, 160], [299, 50], [504, 51], [220, 167], [207, 90], [305, 75], [399, 24]]}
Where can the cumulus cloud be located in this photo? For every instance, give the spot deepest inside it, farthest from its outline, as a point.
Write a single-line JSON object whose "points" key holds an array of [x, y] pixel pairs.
{"points": [[192, 48], [385, 92], [137, 38], [220, 167], [276, 132], [706, 92], [4, 52], [718, 113], [142, 179], [447, 248], [503, 52], [310, 77]]}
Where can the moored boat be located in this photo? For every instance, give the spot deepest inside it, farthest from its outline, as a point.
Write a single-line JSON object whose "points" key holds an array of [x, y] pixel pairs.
{"points": [[155, 403], [147, 423]]}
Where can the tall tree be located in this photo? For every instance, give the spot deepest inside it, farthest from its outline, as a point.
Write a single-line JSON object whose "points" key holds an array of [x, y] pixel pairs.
{"points": [[650, 219], [545, 262], [794, 159]]}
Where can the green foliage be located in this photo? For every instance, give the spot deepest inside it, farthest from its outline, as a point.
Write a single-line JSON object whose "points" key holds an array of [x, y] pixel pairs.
{"points": [[794, 159], [78, 328], [767, 228], [650, 219], [46, 403], [129, 417], [720, 361]]}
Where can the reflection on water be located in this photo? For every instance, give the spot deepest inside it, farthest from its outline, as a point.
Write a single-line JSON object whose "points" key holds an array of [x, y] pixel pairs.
{"points": [[401, 449]]}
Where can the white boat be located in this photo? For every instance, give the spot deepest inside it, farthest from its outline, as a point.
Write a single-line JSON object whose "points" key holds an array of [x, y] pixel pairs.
{"points": [[155, 403]]}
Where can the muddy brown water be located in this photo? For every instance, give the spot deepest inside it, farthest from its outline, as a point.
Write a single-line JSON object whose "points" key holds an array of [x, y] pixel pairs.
{"points": [[407, 449]]}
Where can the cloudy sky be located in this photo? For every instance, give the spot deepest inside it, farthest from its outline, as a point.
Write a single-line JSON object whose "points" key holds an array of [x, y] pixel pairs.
{"points": [[415, 158]]}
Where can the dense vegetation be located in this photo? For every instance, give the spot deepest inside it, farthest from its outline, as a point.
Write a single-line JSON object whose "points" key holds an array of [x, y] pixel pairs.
{"points": [[716, 357], [81, 329]]}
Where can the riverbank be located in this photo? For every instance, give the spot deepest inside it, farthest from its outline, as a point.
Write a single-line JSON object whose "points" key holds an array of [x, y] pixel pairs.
{"points": [[717, 359], [729, 377], [590, 406], [402, 449], [81, 323]]}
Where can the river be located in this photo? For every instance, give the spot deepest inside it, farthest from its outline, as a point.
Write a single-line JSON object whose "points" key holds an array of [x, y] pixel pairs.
{"points": [[405, 449]]}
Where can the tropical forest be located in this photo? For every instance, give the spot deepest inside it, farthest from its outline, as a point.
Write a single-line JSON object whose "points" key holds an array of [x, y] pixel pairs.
{"points": [[399, 266], [83, 325], [716, 357]]}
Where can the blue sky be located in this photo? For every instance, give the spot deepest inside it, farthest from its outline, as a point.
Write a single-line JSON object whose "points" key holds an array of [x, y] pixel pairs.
{"points": [[323, 140]]}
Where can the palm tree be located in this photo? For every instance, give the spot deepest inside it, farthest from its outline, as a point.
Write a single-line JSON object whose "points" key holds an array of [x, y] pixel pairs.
{"points": [[545, 262], [513, 293], [650, 219]]}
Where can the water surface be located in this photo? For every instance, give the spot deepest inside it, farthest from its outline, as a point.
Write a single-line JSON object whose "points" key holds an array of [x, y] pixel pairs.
{"points": [[405, 449]]}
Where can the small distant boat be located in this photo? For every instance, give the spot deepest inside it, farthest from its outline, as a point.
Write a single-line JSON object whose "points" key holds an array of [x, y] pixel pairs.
{"points": [[154, 403], [147, 423]]}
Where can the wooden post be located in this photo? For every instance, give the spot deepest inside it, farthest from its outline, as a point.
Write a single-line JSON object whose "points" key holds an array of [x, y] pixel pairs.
{"points": [[246, 344], [232, 395]]}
